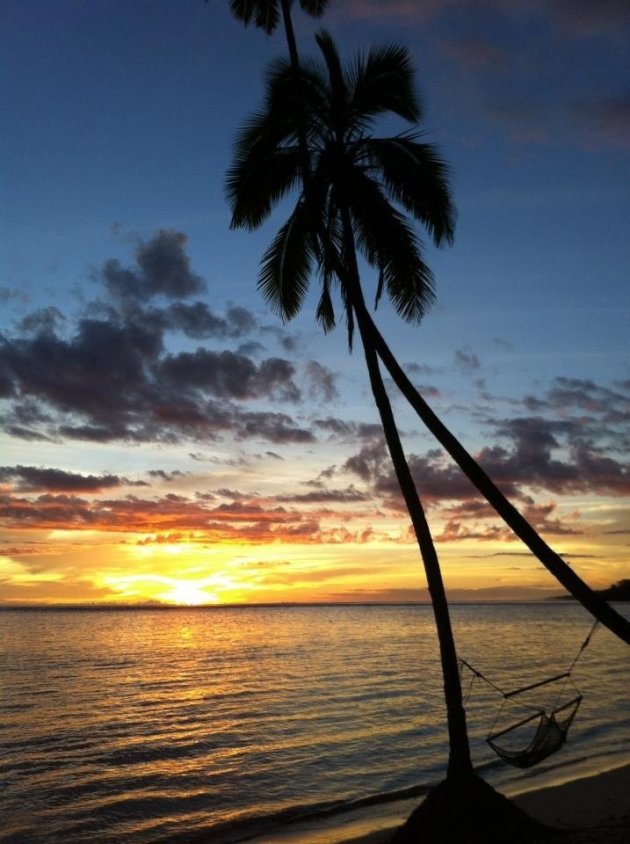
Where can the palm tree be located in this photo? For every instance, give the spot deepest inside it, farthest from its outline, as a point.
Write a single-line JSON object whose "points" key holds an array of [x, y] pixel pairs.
{"points": [[266, 14], [355, 183]]}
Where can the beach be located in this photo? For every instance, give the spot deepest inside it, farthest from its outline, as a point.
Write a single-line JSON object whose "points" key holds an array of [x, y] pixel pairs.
{"points": [[590, 810]]}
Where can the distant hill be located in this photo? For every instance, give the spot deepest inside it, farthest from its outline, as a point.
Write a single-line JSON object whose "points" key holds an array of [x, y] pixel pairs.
{"points": [[619, 591]]}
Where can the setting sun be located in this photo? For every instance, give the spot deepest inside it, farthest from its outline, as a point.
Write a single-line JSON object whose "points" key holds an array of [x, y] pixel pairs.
{"points": [[190, 594]]}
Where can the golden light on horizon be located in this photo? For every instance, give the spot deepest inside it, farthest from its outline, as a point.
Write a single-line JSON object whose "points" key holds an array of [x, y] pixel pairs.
{"points": [[190, 594]]}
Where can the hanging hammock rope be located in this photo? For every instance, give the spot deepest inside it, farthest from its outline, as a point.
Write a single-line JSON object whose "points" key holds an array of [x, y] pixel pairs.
{"points": [[550, 728]]}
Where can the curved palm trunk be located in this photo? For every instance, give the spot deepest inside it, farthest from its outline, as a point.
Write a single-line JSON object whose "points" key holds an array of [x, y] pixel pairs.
{"points": [[459, 760], [290, 36], [589, 599], [563, 573]]}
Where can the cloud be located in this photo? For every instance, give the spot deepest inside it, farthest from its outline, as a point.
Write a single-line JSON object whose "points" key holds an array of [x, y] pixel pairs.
{"points": [[477, 520], [42, 321], [348, 431], [321, 381], [199, 322], [31, 478], [161, 268], [244, 519], [324, 496], [467, 360], [115, 377], [581, 17], [227, 374]]}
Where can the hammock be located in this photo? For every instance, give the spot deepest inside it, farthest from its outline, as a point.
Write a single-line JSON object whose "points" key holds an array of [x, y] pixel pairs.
{"points": [[535, 737]]}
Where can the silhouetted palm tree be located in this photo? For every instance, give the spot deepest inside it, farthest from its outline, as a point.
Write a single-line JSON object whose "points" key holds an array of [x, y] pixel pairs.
{"points": [[266, 14], [356, 186]]}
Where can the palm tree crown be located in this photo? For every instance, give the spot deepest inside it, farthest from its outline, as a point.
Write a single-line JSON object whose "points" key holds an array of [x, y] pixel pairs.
{"points": [[379, 182], [266, 13]]}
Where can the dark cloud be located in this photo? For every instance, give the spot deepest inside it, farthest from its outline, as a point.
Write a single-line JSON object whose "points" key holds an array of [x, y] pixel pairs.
{"points": [[42, 321], [321, 381], [109, 382], [113, 379], [434, 479], [349, 495], [348, 431], [477, 520], [241, 520], [32, 479], [467, 360], [163, 475], [369, 463], [230, 375], [162, 268], [275, 427], [560, 456], [199, 322]]}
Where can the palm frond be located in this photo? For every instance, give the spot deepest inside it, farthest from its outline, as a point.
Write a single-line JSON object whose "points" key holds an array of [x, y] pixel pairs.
{"points": [[286, 265], [266, 162], [337, 84], [416, 177], [264, 13], [257, 180], [388, 242], [314, 8], [381, 82], [325, 313]]}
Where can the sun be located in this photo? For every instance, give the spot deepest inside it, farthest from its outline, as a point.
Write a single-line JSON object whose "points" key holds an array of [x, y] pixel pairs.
{"points": [[189, 594]]}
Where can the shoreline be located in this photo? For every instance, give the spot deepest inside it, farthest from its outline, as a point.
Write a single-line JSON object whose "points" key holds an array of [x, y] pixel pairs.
{"points": [[589, 809], [594, 809]]}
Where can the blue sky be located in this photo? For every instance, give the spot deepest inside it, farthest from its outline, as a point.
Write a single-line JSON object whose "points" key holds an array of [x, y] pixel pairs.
{"points": [[119, 122]]}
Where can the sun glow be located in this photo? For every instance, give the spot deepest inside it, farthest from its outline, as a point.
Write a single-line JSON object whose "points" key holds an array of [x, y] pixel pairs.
{"points": [[190, 594]]}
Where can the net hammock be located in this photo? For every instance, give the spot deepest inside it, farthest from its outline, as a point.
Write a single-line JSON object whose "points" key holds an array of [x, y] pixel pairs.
{"points": [[543, 731]]}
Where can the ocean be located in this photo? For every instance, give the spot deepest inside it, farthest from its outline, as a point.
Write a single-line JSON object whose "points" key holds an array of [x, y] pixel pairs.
{"points": [[287, 723]]}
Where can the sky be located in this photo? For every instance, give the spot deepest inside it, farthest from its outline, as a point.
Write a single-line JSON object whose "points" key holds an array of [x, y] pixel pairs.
{"points": [[166, 438]]}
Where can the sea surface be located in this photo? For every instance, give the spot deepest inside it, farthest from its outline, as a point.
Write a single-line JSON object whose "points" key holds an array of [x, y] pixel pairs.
{"points": [[274, 723]]}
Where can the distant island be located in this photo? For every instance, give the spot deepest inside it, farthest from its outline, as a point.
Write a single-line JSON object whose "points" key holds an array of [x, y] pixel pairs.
{"points": [[619, 591]]}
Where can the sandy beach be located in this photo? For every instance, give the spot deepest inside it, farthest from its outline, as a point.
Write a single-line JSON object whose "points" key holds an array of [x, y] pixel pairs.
{"points": [[592, 810]]}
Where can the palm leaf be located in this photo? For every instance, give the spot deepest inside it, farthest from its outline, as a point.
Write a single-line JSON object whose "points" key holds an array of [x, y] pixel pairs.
{"points": [[264, 13], [388, 241], [382, 81], [314, 8], [257, 180], [286, 265], [416, 177]]}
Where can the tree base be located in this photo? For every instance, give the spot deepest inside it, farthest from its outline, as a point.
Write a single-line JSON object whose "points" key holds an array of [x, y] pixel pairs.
{"points": [[469, 811]]}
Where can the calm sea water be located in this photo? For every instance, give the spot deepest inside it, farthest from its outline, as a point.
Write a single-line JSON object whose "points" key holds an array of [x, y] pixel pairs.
{"points": [[223, 724]]}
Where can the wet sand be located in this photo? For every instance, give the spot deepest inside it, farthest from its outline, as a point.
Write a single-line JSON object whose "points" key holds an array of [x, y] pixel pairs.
{"points": [[592, 810]]}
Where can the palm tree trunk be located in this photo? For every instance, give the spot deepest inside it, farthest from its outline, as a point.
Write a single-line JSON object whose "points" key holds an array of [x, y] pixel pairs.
{"points": [[290, 36], [589, 599], [295, 66], [459, 760], [563, 573]]}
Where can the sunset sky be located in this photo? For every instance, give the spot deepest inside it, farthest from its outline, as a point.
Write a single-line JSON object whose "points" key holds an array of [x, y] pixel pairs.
{"points": [[166, 438]]}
